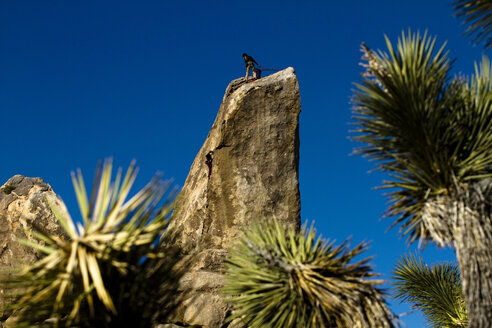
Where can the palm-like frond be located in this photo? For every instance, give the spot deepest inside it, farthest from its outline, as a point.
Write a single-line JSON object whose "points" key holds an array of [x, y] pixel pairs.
{"points": [[427, 130], [105, 263], [436, 291], [477, 15], [281, 278]]}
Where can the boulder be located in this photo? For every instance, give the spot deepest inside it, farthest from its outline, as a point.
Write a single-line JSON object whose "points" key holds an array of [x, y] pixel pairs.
{"points": [[247, 169], [23, 203]]}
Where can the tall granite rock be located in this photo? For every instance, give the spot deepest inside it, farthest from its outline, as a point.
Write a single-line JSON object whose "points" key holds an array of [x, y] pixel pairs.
{"points": [[22, 203], [252, 174]]}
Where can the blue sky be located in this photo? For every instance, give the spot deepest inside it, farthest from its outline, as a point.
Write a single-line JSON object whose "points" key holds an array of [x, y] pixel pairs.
{"points": [[85, 80]]}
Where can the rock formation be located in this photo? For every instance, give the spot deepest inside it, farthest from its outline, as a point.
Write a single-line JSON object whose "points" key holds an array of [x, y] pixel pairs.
{"points": [[22, 203], [252, 174]]}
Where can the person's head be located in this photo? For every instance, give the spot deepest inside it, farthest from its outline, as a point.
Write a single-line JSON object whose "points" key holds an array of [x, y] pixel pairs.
{"points": [[245, 55]]}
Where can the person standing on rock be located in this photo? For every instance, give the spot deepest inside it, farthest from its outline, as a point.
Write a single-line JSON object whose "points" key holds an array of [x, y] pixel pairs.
{"points": [[249, 62]]}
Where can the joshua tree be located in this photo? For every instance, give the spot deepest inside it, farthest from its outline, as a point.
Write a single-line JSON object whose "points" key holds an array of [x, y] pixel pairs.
{"points": [[280, 278], [112, 271], [433, 134], [436, 291], [477, 14]]}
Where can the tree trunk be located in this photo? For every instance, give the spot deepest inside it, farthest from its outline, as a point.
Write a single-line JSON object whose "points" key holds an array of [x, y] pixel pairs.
{"points": [[472, 240], [475, 262], [465, 222]]}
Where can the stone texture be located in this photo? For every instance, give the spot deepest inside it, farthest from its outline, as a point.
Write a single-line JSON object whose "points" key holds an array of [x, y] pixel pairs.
{"points": [[22, 203], [165, 325], [255, 165], [254, 176]]}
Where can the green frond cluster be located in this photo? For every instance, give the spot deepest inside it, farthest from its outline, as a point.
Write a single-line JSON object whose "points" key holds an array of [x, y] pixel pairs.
{"points": [[111, 266], [435, 290], [477, 14], [427, 130], [281, 278]]}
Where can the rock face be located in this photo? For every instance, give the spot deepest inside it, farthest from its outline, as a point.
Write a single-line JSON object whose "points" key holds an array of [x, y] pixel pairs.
{"points": [[252, 174], [22, 203]]}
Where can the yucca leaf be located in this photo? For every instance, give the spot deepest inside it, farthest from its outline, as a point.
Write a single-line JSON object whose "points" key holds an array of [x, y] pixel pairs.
{"points": [[64, 219], [477, 15], [85, 277], [35, 245], [81, 194], [273, 281], [82, 280], [423, 127], [66, 276], [435, 290]]}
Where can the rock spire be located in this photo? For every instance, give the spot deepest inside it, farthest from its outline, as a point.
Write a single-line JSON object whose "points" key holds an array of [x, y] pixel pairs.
{"points": [[247, 169]]}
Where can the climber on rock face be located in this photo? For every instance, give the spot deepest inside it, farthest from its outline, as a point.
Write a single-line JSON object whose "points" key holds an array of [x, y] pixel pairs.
{"points": [[249, 62], [209, 159]]}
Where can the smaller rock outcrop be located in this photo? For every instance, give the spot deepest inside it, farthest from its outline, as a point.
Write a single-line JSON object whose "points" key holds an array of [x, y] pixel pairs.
{"points": [[22, 204]]}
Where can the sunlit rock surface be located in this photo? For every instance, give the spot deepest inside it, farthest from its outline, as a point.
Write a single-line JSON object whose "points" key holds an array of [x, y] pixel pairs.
{"points": [[252, 174], [22, 204]]}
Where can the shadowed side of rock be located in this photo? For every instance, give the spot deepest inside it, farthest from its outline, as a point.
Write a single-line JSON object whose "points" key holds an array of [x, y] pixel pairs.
{"points": [[252, 174]]}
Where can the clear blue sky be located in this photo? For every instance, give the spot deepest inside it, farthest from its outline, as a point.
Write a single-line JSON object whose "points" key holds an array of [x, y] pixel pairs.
{"points": [[85, 80]]}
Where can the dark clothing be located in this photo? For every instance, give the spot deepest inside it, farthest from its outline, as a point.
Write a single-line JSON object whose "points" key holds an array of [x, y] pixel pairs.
{"points": [[209, 163], [249, 62]]}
